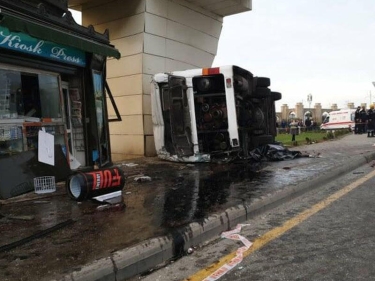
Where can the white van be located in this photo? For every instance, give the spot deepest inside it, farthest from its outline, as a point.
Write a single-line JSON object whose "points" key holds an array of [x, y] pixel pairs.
{"points": [[212, 113], [339, 119]]}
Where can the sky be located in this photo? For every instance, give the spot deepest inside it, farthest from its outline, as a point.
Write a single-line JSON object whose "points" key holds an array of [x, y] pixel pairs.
{"points": [[325, 48]]}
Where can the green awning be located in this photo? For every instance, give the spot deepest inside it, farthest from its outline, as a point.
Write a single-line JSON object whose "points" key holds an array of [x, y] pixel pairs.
{"points": [[60, 37]]}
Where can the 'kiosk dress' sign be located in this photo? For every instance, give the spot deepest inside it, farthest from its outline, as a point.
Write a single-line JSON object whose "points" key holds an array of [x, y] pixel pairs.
{"points": [[24, 43]]}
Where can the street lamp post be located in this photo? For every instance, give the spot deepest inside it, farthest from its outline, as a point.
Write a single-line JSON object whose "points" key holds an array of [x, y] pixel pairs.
{"points": [[309, 99]]}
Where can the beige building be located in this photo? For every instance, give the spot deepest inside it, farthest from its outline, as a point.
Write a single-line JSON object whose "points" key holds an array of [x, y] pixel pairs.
{"points": [[300, 112], [153, 36]]}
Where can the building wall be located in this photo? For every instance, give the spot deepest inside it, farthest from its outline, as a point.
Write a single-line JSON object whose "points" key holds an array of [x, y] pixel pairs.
{"points": [[299, 110], [317, 111], [153, 36]]}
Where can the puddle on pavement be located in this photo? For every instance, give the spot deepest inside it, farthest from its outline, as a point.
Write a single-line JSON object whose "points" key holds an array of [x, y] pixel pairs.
{"points": [[176, 195], [196, 191]]}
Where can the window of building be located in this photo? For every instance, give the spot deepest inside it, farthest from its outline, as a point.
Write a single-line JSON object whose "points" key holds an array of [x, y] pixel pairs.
{"points": [[25, 93]]}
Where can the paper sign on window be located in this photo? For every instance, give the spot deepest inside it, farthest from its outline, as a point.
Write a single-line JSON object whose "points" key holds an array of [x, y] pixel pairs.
{"points": [[46, 149]]}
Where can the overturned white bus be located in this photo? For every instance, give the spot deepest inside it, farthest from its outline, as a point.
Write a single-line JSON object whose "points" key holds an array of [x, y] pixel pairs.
{"points": [[211, 114]]}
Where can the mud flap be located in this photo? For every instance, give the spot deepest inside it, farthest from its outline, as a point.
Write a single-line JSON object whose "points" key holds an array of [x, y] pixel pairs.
{"points": [[180, 116]]}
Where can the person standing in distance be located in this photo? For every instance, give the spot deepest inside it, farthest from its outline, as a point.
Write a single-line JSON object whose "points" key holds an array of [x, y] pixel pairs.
{"points": [[293, 129], [363, 118], [357, 120], [370, 121]]}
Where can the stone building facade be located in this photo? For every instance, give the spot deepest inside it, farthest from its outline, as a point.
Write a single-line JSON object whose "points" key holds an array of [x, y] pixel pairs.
{"points": [[153, 36], [317, 113]]}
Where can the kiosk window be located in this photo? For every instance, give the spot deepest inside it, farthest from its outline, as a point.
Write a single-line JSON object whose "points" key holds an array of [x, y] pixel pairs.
{"points": [[29, 94]]}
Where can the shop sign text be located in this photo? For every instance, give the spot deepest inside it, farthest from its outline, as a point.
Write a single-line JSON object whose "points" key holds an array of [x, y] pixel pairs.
{"points": [[21, 42]]}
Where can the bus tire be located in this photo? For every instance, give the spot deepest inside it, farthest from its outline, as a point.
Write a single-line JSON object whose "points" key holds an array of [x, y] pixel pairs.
{"points": [[276, 95], [263, 82], [262, 92]]}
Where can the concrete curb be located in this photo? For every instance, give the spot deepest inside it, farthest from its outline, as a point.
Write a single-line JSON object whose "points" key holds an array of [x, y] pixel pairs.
{"points": [[151, 253]]}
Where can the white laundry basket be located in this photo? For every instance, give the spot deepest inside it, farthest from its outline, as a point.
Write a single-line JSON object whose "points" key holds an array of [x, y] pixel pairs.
{"points": [[44, 184]]}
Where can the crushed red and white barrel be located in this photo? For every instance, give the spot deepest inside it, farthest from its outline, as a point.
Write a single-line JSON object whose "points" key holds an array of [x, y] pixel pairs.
{"points": [[85, 185]]}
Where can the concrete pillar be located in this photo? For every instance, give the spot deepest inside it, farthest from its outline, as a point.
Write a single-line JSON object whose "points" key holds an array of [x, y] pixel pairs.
{"points": [[153, 36], [317, 113], [351, 105], [334, 106], [284, 112], [299, 111]]}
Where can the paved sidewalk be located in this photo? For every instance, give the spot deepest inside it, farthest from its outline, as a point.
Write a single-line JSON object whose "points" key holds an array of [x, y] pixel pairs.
{"points": [[327, 161]]}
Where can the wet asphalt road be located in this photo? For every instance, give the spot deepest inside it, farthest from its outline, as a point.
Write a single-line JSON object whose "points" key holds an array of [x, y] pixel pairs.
{"points": [[336, 243], [176, 195]]}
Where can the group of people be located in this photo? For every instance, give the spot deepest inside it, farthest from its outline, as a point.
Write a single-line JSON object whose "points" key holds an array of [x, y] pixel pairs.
{"points": [[308, 125], [365, 121], [295, 125]]}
